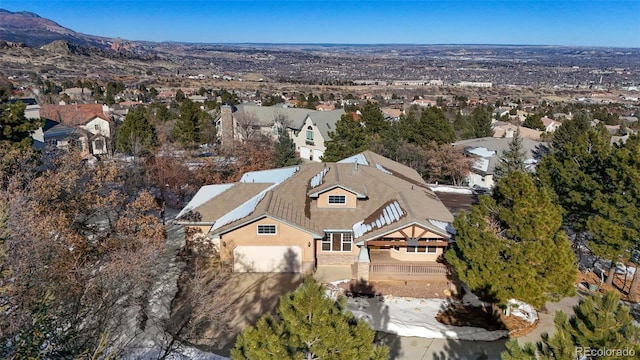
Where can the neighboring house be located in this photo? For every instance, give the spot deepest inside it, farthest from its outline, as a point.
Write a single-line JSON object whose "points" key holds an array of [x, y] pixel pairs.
{"points": [[392, 114], [366, 217], [424, 102], [550, 125], [488, 152], [308, 128], [504, 129], [87, 126]]}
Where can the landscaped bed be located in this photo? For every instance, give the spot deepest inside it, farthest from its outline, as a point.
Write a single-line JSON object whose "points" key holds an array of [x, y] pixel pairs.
{"points": [[430, 310]]}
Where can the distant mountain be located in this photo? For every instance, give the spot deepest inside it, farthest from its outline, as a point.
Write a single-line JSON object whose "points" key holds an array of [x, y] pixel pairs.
{"points": [[35, 31]]}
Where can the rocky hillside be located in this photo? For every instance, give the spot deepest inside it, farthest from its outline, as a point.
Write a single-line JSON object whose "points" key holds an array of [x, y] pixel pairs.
{"points": [[35, 31]]}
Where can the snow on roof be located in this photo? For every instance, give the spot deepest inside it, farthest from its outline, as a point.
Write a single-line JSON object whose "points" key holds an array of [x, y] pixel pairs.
{"points": [[481, 164], [203, 195], [482, 151], [379, 167], [446, 226], [276, 176], [357, 158], [241, 211], [391, 213], [316, 180], [269, 176]]}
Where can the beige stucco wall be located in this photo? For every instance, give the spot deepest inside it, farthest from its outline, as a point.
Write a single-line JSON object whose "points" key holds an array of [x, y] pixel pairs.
{"points": [[403, 255], [285, 235], [318, 141], [351, 200]]}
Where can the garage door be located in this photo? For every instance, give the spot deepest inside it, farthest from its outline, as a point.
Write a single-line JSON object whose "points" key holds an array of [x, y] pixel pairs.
{"points": [[267, 259], [305, 153]]}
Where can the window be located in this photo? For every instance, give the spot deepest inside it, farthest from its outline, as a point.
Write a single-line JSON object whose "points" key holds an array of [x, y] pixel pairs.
{"points": [[98, 145], [96, 127], [266, 229], [309, 133], [337, 199], [432, 249], [340, 241], [416, 249]]}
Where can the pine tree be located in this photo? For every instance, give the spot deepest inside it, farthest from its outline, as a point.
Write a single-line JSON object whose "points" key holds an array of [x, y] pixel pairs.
{"points": [[136, 134], [285, 151], [193, 126], [478, 124], [15, 128], [600, 322], [596, 184], [311, 326], [511, 245], [534, 122], [373, 119], [512, 159], [434, 127], [349, 138]]}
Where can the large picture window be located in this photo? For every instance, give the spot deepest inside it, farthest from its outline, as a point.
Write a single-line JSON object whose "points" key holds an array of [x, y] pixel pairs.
{"points": [[337, 199], [338, 241], [266, 229]]}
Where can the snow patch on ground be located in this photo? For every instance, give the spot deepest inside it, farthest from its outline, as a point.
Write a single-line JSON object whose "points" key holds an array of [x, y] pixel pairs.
{"points": [[523, 311], [450, 189], [415, 317]]}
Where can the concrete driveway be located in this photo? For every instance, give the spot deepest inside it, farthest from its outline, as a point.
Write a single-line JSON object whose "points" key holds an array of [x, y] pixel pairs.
{"points": [[253, 295]]}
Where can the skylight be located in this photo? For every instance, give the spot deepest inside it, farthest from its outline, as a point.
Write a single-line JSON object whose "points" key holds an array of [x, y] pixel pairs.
{"points": [[389, 214], [317, 179]]}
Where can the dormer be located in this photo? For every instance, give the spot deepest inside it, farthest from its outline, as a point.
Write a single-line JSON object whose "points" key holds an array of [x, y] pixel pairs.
{"points": [[337, 197]]}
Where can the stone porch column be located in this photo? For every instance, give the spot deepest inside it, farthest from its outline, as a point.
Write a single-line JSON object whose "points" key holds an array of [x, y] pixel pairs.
{"points": [[363, 265]]}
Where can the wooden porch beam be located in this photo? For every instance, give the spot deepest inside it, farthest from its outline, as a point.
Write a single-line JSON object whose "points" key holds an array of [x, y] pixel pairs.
{"points": [[404, 243]]}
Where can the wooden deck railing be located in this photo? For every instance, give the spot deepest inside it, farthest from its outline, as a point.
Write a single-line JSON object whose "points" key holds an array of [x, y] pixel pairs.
{"points": [[407, 269]]}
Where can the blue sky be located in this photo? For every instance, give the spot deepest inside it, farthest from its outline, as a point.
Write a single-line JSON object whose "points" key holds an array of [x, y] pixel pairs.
{"points": [[520, 22]]}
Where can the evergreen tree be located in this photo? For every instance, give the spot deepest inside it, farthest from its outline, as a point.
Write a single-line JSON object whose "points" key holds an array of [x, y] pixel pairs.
{"points": [[310, 326], [512, 159], [596, 184], [180, 97], [434, 127], [534, 122], [479, 123], [193, 124], [373, 119], [136, 134], [510, 245], [285, 151], [15, 128], [615, 221], [349, 138], [600, 322]]}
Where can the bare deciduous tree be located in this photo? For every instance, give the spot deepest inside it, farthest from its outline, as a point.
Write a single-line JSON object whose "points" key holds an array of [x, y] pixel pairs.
{"points": [[247, 125]]}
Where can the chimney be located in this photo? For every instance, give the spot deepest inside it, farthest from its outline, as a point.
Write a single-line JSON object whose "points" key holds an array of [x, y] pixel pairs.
{"points": [[508, 133], [355, 166], [226, 127]]}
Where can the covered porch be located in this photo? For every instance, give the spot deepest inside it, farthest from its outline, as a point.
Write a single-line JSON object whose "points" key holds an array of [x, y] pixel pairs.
{"points": [[383, 266]]}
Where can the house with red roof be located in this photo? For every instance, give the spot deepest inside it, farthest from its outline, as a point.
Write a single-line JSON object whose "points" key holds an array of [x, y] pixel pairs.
{"points": [[87, 126]]}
